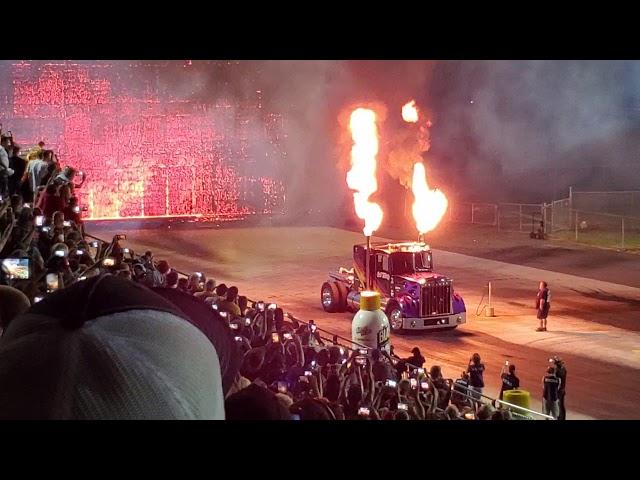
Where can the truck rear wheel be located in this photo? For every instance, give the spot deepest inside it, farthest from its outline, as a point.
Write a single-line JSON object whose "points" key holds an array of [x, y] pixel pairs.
{"points": [[330, 297], [394, 314]]}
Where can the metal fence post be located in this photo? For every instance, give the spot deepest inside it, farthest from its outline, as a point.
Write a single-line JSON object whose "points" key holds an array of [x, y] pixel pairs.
{"points": [[473, 213], [622, 233], [576, 222], [520, 218]]}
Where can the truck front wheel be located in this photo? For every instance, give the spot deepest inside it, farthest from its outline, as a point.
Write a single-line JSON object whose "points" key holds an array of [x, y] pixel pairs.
{"points": [[394, 314], [330, 297]]}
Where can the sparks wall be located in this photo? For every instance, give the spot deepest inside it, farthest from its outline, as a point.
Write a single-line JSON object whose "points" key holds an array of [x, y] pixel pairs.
{"points": [[146, 150]]}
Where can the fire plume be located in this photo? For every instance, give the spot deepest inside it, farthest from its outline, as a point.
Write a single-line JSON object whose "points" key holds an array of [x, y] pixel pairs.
{"points": [[362, 176], [410, 112], [429, 205]]}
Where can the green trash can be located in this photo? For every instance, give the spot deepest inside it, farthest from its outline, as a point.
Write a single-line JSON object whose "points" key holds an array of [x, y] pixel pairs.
{"points": [[522, 398]]}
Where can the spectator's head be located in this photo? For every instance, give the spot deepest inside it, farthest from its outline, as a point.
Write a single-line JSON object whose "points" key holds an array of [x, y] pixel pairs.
{"points": [[69, 172], [543, 285], [255, 403], [221, 290], [138, 270], [404, 387], [194, 280], [5, 141], [485, 412], [335, 357], [323, 357], [512, 369], [16, 202], [172, 279], [499, 415], [475, 358], [243, 304], [253, 362], [416, 352], [551, 370], [435, 372], [163, 267], [402, 415], [48, 155], [58, 220], [231, 295], [25, 217], [312, 409], [183, 284], [12, 303], [210, 285], [451, 413], [110, 338]]}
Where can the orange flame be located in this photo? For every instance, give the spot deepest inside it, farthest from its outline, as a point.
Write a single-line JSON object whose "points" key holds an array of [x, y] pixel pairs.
{"points": [[429, 205], [362, 176], [410, 112]]}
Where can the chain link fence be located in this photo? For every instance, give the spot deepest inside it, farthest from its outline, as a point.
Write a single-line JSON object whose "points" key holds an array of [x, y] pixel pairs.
{"points": [[560, 221]]}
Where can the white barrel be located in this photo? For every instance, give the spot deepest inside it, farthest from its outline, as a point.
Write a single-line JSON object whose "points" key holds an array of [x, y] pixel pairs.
{"points": [[370, 325]]}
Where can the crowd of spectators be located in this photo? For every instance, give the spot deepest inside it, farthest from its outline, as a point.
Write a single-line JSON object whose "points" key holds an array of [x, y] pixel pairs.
{"points": [[268, 365]]}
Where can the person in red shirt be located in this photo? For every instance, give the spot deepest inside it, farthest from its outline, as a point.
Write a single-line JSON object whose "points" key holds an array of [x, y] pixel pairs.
{"points": [[51, 201]]}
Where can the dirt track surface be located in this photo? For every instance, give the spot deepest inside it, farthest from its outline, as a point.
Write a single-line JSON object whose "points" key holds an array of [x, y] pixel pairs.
{"points": [[593, 325]]}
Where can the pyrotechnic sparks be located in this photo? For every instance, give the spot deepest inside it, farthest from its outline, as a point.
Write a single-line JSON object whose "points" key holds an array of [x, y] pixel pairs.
{"points": [[410, 112], [362, 176], [429, 205]]}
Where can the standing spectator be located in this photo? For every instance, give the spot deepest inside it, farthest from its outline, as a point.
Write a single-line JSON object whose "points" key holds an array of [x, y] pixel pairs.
{"points": [[50, 202], [158, 275], [550, 387], [509, 380], [183, 284], [221, 292], [476, 378], [543, 303], [460, 391], [36, 171], [561, 373], [172, 279], [416, 359], [194, 283], [35, 151], [209, 290], [5, 170], [18, 165], [229, 304]]}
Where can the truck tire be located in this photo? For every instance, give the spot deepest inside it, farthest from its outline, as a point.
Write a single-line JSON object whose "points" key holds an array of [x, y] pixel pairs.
{"points": [[394, 314], [344, 291], [330, 297]]}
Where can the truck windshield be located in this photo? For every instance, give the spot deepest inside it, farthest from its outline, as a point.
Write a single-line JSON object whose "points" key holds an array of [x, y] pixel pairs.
{"points": [[423, 261], [403, 263]]}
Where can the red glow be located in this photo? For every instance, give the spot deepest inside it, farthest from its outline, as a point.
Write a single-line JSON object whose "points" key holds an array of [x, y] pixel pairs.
{"points": [[144, 153]]}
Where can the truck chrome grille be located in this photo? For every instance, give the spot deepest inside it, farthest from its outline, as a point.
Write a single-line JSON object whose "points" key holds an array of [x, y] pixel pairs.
{"points": [[436, 298]]}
